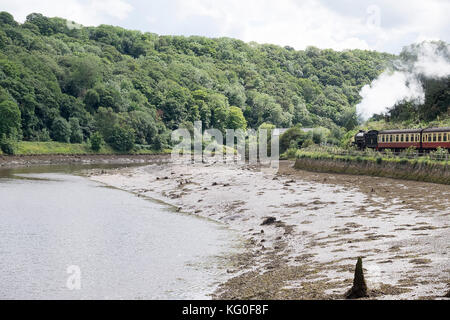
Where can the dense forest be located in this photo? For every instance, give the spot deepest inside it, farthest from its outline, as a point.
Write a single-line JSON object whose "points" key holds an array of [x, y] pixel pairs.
{"points": [[65, 82]]}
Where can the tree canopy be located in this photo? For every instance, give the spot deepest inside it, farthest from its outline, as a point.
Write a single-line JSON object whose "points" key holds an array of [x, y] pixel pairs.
{"points": [[69, 81]]}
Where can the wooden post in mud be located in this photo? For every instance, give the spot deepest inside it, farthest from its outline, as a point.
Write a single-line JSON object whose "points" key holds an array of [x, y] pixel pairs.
{"points": [[359, 289]]}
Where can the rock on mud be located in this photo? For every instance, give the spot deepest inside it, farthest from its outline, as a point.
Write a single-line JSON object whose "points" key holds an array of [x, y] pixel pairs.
{"points": [[268, 221]]}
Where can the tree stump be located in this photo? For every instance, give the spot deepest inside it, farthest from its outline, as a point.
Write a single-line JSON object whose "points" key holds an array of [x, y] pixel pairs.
{"points": [[359, 289]]}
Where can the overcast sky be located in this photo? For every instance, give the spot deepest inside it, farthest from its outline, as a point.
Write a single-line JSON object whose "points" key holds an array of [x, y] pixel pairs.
{"points": [[383, 25]]}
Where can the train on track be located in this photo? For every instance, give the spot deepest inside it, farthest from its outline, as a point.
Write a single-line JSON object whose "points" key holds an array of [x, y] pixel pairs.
{"points": [[423, 140]]}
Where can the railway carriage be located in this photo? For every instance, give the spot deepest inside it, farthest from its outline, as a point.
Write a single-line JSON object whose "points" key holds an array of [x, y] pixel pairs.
{"points": [[436, 137], [397, 140]]}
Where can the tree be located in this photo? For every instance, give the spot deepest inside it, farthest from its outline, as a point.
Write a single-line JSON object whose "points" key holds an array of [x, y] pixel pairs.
{"points": [[7, 145], [51, 68], [236, 119], [105, 120], [9, 118], [76, 135], [61, 130], [8, 19], [122, 138], [92, 100], [293, 137], [96, 141]]}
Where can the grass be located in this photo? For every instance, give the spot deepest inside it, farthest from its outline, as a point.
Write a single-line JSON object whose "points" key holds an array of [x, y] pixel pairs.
{"points": [[333, 153], [373, 164], [59, 148], [375, 159]]}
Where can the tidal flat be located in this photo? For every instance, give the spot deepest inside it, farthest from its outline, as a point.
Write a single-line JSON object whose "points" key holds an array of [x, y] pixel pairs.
{"points": [[304, 231]]}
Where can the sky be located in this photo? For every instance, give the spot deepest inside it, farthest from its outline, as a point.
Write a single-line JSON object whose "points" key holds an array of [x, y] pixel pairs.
{"points": [[382, 25]]}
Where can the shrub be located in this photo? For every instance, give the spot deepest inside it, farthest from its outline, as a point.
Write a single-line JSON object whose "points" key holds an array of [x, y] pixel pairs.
{"points": [[158, 143], [7, 145], [293, 138], [61, 130], [122, 138], [307, 143], [291, 153], [76, 135], [96, 141]]}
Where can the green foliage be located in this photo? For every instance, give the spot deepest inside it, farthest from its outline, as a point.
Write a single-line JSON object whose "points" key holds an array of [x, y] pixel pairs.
{"points": [[9, 116], [293, 138], [7, 145], [235, 119], [76, 134], [61, 130], [307, 143], [96, 141], [122, 138], [107, 76], [319, 135]]}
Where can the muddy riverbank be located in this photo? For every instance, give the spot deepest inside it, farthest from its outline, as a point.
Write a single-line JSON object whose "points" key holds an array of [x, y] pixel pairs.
{"points": [[304, 230], [26, 160], [408, 170]]}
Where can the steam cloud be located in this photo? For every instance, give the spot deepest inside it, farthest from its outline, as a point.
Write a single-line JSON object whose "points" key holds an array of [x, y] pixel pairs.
{"points": [[402, 82]]}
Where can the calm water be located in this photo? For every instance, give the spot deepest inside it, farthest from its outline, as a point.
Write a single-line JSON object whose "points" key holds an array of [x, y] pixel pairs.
{"points": [[126, 247]]}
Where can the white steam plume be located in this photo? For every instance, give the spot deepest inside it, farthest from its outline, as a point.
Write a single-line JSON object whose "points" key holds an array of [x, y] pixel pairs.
{"points": [[429, 59]]}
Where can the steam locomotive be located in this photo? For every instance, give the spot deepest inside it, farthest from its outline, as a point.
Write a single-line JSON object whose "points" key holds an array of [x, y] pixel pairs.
{"points": [[396, 140]]}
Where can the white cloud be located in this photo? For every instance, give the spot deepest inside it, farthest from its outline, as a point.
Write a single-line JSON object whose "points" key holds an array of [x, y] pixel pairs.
{"points": [[282, 22], [382, 25], [91, 12], [314, 22]]}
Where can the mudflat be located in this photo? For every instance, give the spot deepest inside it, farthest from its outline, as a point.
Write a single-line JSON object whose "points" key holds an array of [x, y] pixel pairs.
{"points": [[305, 231], [32, 160]]}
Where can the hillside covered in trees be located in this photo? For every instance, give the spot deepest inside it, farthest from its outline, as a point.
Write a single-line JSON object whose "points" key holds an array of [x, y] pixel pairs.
{"points": [[65, 82]]}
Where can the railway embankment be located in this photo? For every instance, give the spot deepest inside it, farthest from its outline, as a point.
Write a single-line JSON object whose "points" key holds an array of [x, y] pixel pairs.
{"points": [[419, 169]]}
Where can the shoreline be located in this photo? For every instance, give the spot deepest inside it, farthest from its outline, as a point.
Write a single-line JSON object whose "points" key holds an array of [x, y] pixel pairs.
{"points": [[403, 170], [309, 249], [17, 161]]}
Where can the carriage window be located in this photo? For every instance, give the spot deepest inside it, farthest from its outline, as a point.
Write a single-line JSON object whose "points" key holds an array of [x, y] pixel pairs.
{"points": [[397, 138], [390, 138], [434, 137], [444, 137], [402, 138], [407, 138], [439, 137]]}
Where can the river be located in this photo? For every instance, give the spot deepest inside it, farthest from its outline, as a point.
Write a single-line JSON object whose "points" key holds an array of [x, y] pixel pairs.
{"points": [[64, 236]]}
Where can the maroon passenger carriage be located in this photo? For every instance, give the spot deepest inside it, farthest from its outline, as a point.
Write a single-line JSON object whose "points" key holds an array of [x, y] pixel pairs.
{"points": [[435, 138], [397, 140]]}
